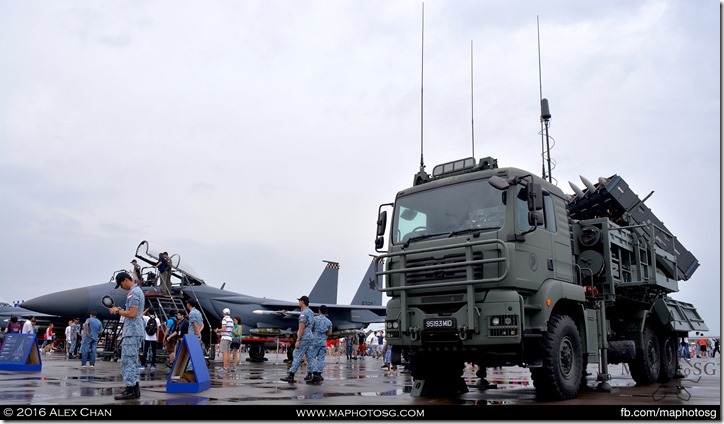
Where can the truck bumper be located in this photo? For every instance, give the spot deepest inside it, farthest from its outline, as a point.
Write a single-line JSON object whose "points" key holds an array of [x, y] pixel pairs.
{"points": [[441, 323]]}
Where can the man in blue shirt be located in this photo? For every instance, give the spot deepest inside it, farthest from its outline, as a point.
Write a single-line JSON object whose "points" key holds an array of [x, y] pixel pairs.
{"points": [[168, 345], [177, 333], [91, 330], [196, 320], [304, 337], [133, 334]]}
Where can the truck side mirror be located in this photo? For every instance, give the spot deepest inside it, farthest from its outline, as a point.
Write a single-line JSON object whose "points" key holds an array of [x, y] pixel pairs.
{"points": [[535, 218], [381, 223], [535, 196], [379, 242], [381, 226]]}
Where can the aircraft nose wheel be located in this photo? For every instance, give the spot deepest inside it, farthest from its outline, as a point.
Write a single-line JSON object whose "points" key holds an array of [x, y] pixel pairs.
{"points": [[256, 353]]}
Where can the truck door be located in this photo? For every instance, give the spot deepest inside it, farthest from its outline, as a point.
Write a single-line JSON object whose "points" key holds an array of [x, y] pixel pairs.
{"points": [[533, 257]]}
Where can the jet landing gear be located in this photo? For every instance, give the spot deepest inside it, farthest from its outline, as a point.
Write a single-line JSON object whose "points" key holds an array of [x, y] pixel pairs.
{"points": [[256, 353]]}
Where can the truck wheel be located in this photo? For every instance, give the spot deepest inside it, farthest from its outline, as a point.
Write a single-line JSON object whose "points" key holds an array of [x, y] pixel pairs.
{"points": [[420, 367], [560, 376], [669, 357], [620, 351], [645, 368], [441, 375]]}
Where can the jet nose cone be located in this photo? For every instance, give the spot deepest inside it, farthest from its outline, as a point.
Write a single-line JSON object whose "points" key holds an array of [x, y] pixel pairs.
{"points": [[66, 303]]}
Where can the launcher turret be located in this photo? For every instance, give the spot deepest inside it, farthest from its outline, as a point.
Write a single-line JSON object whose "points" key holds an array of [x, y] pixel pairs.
{"points": [[612, 198]]}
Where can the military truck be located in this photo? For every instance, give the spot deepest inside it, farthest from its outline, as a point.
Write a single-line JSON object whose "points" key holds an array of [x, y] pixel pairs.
{"points": [[499, 267]]}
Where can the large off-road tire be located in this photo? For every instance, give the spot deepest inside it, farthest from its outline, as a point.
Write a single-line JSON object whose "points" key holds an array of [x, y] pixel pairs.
{"points": [[559, 378], [620, 351], [645, 369], [669, 357], [442, 374], [421, 367]]}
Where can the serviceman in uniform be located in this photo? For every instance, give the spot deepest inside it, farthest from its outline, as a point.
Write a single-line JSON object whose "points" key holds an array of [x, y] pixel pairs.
{"points": [[304, 337], [133, 334], [318, 353]]}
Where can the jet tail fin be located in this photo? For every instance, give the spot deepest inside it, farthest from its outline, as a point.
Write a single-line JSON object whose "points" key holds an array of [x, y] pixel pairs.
{"points": [[367, 294], [325, 290]]}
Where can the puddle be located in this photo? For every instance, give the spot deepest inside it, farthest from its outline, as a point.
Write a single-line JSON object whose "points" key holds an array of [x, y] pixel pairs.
{"points": [[17, 397], [394, 392]]}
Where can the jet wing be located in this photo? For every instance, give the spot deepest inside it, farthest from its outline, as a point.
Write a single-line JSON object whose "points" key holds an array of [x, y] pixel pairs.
{"points": [[360, 314], [22, 313]]}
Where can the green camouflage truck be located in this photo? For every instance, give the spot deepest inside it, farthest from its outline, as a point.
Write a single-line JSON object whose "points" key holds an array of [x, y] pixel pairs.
{"points": [[498, 267]]}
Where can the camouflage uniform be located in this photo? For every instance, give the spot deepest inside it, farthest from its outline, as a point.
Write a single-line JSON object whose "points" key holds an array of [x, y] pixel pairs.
{"points": [[73, 339], [133, 334], [307, 340], [318, 352]]}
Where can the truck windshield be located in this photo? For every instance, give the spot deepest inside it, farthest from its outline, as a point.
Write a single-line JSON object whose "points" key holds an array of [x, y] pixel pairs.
{"points": [[446, 211]]}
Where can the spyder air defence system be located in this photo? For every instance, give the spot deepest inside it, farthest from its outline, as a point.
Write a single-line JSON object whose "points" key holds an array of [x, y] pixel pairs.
{"points": [[498, 267]]}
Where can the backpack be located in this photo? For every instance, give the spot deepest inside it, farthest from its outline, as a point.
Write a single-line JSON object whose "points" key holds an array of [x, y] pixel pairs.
{"points": [[151, 326]]}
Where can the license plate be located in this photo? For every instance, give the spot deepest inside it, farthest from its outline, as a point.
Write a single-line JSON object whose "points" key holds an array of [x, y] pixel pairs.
{"points": [[440, 324]]}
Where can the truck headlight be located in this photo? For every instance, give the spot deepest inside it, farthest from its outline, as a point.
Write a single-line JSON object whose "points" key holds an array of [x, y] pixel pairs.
{"points": [[392, 324], [495, 321]]}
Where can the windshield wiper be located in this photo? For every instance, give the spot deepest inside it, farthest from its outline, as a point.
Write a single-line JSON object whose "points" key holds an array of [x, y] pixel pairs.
{"points": [[420, 237], [469, 230]]}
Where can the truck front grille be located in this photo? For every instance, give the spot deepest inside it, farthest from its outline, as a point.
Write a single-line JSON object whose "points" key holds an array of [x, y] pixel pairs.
{"points": [[449, 273]]}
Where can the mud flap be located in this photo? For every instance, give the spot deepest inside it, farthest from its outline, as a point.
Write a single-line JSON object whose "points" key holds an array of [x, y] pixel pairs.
{"points": [[678, 316]]}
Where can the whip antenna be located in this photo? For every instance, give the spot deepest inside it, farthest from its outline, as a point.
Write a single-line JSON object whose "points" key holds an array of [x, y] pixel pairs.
{"points": [[422, 78], [540, 98], [472, 111], [422, 176], [545, 116]]}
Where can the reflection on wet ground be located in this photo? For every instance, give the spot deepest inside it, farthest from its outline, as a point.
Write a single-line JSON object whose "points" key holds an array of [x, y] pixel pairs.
{"points": [[361, 382]]}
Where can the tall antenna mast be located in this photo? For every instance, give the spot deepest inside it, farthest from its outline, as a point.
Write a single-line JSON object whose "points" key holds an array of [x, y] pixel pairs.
{"points": [[540, 98], [422, 78], [545, 117], [472, 111], [421, 175]]}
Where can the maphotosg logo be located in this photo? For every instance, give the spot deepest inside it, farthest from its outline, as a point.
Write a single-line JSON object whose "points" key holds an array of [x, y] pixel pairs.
{"points": [[692, 372]]}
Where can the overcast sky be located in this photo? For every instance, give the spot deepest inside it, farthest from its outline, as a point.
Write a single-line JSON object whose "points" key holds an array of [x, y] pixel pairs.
{"points": [[258, 138]]}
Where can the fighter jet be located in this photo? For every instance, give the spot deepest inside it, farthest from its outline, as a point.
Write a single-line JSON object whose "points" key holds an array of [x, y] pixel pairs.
{"points": [[264, 320]]}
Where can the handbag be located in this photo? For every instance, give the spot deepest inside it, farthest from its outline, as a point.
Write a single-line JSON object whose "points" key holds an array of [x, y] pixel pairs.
{"points": [[234, 338]]}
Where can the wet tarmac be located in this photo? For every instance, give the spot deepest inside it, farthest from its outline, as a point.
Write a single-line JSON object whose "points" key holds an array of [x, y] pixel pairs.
{"points": [[359, 382]]}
